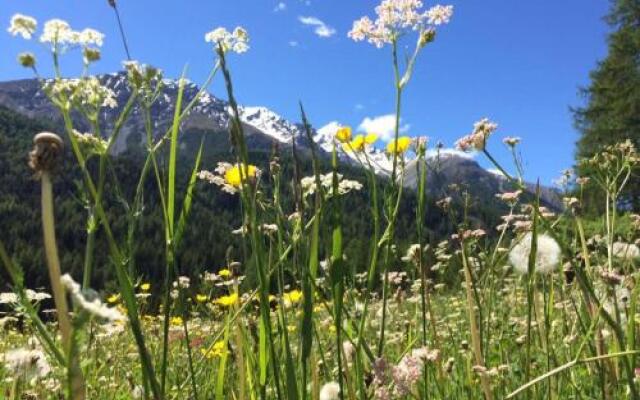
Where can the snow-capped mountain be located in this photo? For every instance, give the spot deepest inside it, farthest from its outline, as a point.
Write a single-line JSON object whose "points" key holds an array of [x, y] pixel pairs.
{"points": [[264, 128]]}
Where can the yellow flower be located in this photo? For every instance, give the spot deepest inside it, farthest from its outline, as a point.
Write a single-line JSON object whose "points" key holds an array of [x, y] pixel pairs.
{"points": [[218, 350], [114, 298], [371, 138], [344, 134], [176, 321], [400, 146], [145, 287], [225, 273], [232, 175], [201, 298], [293, 296], [227, 301], [358, 142]]}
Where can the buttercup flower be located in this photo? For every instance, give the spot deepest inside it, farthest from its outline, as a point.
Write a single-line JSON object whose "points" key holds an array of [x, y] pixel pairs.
{"points": [[227, 301], [22, 25], [399, 146], [229, 178], [343, 134], [217, 350], [292, 297]]}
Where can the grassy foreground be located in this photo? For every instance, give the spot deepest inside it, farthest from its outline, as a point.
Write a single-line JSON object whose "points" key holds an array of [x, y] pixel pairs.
{"points": [[544, 309]]}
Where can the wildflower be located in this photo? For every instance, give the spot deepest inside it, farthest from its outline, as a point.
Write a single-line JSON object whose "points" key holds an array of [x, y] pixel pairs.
{"points": [[227, 301], [93, 307], [394, 18], [399, 146], [478, 138], [269, 228], [236, 174], [237, 42], [90, 55], [176, 321], [8, 298], [58, 32], [217, 350], [230, 177], [357, 144], [292, 297], [547, 254], [22, 25], [511, 141], [371, 138], [36, 296], [90, 37], [343, 134], [625, 251], [426, 36], [201, 298], [509, 197], [439, 15], [27, 60], [413, 254], [24, 363], [183, 282], [308, 184], [330, 391], [145, 287], [225, 273], [114, 298]]}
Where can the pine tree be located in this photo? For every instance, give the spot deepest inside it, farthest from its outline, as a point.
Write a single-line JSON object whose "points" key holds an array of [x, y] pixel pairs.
{"points": [[612, 109]]}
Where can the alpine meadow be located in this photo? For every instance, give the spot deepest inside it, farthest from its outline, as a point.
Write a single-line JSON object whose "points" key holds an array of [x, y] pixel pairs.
{"points": [[161, 242]]}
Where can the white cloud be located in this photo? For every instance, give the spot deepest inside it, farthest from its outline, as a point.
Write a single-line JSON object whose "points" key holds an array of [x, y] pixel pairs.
{"points": [[293, 43], [358, 107], [281, 6], [383, 126], [319, 27]]}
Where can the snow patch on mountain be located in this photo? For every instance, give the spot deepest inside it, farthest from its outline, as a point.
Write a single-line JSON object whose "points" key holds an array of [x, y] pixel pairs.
{"points": [[270, 123]]}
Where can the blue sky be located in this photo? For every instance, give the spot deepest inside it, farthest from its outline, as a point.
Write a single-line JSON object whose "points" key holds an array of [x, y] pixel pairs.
{"points": [[520, 63]]}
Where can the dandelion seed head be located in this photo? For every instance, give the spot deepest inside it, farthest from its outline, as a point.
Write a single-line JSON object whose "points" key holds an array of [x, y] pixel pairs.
{"points": [[547, 255]]}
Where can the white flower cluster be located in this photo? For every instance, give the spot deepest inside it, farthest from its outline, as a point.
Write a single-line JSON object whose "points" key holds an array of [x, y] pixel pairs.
{"points": [[22, 25], [59, 33], [94, 307], [92, 143], [345, 186], [478, 138], [409, 369], [28, 364], [547, 255], [237, 42], [395, 17], [87, 92], [31, 295]]}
